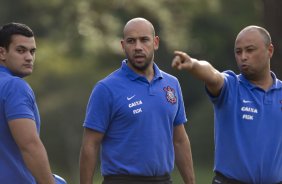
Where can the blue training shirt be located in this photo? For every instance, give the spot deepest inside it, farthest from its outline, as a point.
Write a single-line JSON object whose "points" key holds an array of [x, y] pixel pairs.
{"points": [[248, 130], [137, 119], [16, 101]]}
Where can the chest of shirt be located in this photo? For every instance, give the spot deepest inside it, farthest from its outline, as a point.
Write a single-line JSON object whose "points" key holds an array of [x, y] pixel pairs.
{"points": [[144, 100]]}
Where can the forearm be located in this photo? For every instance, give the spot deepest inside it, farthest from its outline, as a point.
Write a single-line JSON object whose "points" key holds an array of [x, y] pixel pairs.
{"points": [[204, 71], [36, 159], [212, 78], [200, 69], [184, 161], [87, 165]]}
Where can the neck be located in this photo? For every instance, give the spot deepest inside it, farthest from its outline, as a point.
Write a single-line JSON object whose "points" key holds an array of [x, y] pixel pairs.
{"points": [[264, 82], [148, 73]]}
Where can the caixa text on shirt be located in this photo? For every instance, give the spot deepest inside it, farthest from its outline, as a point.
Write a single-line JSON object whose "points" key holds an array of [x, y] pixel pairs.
{"points": [[250, 110], [135, 104]]}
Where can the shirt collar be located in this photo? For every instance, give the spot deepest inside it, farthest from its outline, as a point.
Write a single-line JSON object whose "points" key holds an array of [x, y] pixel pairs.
{"points": [[134, 76], [5, 70], [277, 84]]}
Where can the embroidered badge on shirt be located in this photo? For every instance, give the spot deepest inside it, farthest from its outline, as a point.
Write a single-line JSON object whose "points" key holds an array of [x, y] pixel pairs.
{"points": [[170, 94]]}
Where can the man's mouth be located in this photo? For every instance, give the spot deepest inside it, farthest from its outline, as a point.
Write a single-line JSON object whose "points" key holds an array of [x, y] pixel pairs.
{"points": [[28, 65], [244, 66]]}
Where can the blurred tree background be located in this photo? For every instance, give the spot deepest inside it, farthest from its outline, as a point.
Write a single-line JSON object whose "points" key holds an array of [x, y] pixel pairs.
{"points": [[79, 43]]}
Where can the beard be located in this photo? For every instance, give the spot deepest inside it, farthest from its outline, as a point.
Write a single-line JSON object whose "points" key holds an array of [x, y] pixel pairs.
{"points": [[135, 62], [140, 67]]}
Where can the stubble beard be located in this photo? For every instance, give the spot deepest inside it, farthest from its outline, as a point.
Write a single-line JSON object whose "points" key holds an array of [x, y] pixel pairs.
{"points": [[141, 67]]}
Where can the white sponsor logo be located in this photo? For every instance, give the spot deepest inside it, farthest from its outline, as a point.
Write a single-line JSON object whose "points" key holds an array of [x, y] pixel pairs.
{"points": [[248, 117], [135, 104], [247, 101], [129, 98], [136, 111], [249, 109], [251, 112]]}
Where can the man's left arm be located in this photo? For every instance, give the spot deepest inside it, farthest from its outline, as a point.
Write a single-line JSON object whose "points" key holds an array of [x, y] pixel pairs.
{"points": [[183, 154]]}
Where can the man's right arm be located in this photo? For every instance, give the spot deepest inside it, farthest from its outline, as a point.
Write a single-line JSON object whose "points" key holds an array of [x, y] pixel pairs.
{"points": [[202, 70], [88, 155]]}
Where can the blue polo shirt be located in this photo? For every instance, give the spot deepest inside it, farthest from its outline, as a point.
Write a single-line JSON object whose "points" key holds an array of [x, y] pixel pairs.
{"points": [[137, 118], [248, 130], [16, 101]]}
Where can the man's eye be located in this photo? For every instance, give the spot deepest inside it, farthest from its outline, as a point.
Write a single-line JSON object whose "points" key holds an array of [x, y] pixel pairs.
{"points": [[145, 39], [250, 50], [32, 52], [20, 50], [130, 41]]}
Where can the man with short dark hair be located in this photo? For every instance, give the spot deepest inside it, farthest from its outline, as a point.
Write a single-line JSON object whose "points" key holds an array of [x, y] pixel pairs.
{"points": [[23, 158]]}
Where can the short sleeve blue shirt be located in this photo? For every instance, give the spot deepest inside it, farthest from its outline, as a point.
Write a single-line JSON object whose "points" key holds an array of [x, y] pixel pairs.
{"points": [[137, 118], [248, 130], [16, 101]]}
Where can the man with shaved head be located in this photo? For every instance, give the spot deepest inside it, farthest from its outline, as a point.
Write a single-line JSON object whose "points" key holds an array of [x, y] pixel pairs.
{"points": [[135, 117], [248, 111]]}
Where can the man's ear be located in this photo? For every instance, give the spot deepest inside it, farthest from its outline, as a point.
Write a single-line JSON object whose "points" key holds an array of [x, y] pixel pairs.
{"points": [[156, 42], [122, 44], [270, 50], [3, 52]]}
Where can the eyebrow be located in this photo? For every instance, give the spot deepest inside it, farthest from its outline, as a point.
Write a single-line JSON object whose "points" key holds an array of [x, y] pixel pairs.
{"points": [[248, 46], [24, 47]]}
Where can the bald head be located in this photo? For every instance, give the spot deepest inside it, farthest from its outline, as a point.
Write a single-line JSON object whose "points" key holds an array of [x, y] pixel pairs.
{"points": [[263, 32], [138, 21]]}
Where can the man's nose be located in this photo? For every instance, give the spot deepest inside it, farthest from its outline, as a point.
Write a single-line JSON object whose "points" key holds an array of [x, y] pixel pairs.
{"points": [[29, 56], [244, 56], [138, 45]]}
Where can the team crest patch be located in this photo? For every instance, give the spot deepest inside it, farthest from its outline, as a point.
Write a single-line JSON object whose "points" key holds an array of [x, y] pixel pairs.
{"points": [[170, 94]]}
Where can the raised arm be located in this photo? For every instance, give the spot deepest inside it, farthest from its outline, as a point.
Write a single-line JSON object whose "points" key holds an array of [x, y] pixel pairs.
{"points": [[32, 150], [202, 70]]}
